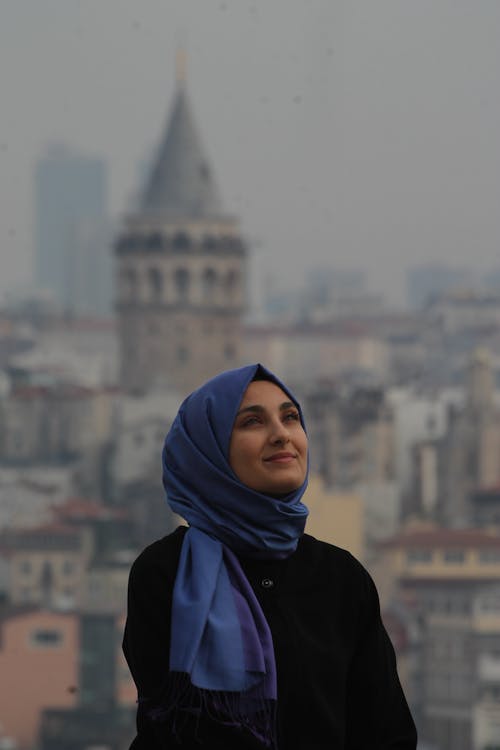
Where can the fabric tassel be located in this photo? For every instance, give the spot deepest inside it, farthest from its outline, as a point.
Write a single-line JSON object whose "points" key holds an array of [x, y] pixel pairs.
{"points": [[182, 701]]}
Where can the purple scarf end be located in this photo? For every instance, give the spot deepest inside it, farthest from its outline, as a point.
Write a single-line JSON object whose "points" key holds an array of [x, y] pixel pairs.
{"points": [[183, 703]]}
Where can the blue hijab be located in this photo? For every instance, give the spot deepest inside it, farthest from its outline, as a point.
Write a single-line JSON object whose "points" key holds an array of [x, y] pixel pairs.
{"points": [[221, 648]]}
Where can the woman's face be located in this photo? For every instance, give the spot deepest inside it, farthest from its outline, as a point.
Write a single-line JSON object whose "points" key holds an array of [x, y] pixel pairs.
{"points": [[268, 448]]}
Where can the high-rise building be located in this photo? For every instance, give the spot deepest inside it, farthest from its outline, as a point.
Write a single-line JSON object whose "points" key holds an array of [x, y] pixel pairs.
{"points": [[180, 269], [73, 263]]}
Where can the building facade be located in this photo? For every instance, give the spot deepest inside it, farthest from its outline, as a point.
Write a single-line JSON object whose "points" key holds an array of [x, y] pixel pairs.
{"points": [[447, 580]]}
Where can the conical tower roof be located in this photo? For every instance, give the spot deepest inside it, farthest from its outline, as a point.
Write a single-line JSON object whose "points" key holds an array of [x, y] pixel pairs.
{"points": [[181, 183]]}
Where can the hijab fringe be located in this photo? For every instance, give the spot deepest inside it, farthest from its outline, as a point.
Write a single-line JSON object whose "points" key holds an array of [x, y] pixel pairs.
{"points": [[181, 701]]}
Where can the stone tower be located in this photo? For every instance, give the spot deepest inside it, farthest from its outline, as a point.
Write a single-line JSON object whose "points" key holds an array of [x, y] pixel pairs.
{"points": [[180, 269]]}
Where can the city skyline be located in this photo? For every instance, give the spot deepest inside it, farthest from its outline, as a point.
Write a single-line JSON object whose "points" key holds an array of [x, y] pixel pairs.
{"points": [[355, 135]]}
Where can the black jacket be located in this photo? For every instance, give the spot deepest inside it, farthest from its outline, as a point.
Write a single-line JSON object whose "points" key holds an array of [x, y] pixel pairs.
{"points": [[338, 688]]}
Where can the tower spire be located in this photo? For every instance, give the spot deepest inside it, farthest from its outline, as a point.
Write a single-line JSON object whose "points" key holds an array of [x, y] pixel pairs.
{"points": [[180, 66], [181, 183]]}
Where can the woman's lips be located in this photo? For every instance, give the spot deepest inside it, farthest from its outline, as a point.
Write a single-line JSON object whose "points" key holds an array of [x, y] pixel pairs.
{"points": [[281, 458]]}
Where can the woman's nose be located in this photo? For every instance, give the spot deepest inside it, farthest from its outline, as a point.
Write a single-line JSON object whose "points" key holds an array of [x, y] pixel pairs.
{"points": [[280, 435]]}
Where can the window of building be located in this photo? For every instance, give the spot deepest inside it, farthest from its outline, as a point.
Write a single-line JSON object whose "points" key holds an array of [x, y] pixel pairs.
{"points": [[489, 556], [25, 567], [68, 567], [454, 556], [419, 556], [46, 637]]}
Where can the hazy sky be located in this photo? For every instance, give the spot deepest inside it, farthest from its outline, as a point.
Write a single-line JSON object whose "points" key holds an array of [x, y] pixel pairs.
{"points": [[357, 133]]}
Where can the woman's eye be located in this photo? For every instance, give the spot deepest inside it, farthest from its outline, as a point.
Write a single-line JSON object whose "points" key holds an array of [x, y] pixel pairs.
{"points": [[250, 421], [292, 416]]}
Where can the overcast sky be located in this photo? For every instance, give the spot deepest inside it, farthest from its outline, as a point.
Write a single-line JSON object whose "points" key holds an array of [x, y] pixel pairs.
{"points": [[359, 133]]}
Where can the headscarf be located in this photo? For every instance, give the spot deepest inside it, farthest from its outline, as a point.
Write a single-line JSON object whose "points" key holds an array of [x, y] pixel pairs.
{"points": [[221, 647]]}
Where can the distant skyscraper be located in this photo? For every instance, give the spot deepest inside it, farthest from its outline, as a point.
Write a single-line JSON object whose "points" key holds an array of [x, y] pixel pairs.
{"points": [[72, 257], [180, 269]]}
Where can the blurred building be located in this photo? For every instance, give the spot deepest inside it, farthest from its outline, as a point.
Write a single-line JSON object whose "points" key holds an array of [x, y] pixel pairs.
{"points": [[28, 494], [54, 564], [469, 451], [39, 668], [304, 352], [46, 565], [420, 420], [74, 570], [485, 506], [465, 311], [327, 294], [430, 280], [73, 261], [454, 466], [56, 348], [447, 581], [54, 423], [491, 280], [351, 434], [135, 462], [67, 684], [179, 268], [335, 517]]}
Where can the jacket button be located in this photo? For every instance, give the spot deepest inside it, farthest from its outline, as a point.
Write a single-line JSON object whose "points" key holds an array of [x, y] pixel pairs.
{"points": [[267, 583]]}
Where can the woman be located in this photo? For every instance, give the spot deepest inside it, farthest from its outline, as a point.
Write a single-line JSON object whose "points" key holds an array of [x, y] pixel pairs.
{"points": [[242, 631]]}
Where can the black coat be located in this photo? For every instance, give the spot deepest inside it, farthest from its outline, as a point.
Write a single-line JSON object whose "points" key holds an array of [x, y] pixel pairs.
{"points": [[338, 688]]}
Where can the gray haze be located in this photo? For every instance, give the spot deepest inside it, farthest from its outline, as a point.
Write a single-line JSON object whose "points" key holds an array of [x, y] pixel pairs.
{"points": [[351, 133]]}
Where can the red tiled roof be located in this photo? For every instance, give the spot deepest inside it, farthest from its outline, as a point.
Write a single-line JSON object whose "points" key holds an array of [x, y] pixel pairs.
{"points": [[78, 508]]}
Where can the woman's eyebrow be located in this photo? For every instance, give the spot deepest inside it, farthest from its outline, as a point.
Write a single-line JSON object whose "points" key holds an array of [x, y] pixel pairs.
{"points": [[257, 408], [254, 408]]}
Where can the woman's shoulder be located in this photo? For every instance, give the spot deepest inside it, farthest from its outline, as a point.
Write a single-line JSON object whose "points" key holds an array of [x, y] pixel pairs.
{"points": [[330, 557], [339, 570], [163, 553]]}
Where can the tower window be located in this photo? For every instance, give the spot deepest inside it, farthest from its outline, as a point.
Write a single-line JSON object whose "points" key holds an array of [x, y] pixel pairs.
{"points": [[181, 241], [155, 284], [209, 242], [208, 284], [231, 283], [154, 241], [181, 280]]}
